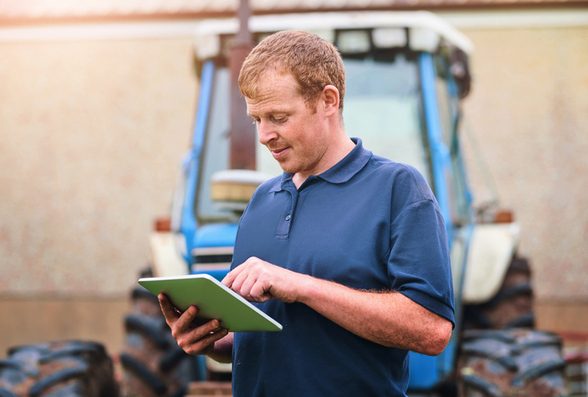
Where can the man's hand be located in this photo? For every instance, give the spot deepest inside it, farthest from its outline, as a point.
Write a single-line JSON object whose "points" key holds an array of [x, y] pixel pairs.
{"points": [[193, 339], [259, 281]]}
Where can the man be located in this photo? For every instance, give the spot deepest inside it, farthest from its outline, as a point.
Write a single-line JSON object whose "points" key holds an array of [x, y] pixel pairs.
{"points": [[346, 250]]}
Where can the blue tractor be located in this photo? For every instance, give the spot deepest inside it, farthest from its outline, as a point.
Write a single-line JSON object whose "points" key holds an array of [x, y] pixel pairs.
{"points": [[407, 73]]}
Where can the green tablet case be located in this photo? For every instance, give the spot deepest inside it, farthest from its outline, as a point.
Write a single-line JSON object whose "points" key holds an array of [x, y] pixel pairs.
{"points": [[214, 300]]}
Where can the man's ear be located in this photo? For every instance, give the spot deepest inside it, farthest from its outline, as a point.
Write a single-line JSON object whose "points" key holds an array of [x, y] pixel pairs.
{"points": [[330, 96]]}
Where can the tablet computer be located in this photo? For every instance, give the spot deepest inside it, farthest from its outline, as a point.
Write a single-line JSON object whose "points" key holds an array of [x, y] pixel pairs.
{"points": [[214, 301]]}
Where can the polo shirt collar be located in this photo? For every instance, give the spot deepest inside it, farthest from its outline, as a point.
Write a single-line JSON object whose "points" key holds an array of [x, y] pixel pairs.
{"points": [[341, 172]]}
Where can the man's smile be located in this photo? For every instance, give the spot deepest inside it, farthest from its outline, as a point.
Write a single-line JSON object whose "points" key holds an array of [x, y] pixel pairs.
{"points": [[278, 152]]}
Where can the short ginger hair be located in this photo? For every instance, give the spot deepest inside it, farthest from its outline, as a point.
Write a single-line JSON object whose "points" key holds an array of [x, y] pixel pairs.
{"points": [[312, 61]]}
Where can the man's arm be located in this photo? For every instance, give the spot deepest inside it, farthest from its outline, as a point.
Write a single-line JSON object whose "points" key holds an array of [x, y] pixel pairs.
{"points": [[208, 339], [387, 318]]}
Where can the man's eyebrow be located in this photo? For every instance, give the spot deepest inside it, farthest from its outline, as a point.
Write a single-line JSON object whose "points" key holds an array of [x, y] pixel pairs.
{"points": [[270, 112]]}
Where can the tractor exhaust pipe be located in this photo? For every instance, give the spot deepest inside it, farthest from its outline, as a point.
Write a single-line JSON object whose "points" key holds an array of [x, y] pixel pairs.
{"points": [[242, 131]]}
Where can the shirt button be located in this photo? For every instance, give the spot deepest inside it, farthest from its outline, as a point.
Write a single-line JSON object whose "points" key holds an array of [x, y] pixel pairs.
{"points": [[288, 218]]}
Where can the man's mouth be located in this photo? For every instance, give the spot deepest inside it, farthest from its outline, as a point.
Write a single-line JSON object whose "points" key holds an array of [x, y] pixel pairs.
{"points": [[278, 152]]}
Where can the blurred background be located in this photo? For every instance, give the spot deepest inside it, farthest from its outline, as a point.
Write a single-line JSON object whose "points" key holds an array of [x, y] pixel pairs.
{"points": [[97, 107]]}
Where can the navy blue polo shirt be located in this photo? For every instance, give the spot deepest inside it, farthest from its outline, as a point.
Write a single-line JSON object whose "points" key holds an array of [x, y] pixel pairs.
{"points": [[367, 223]]}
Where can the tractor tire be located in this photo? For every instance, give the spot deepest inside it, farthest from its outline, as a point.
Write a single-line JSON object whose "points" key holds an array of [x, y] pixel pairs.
{"points": [[58, 369], [153, 364], [511, 363], [511, 307]]}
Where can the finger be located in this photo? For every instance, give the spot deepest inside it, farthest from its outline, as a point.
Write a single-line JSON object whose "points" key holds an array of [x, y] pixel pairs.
{"points": [[230, 277], [235, 283], [187, 335], [204, 334], [260, 292], [186, 319], [167, 308], [201, 336], [202, 345], [236, 272], [243, 286]]}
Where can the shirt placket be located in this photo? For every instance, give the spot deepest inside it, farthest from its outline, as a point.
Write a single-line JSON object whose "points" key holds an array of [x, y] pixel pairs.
{"points": [[285, 222]]}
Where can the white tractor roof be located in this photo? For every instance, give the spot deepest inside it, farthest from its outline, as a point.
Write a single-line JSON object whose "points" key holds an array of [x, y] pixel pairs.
{"points": [[425, 28]]}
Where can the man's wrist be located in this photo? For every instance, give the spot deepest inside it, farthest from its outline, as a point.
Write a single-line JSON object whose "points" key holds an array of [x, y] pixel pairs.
{"points": [[221, 350], [309, 290]]}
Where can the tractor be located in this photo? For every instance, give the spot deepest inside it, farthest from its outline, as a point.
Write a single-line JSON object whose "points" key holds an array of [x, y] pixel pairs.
{"points": [[406, 76]]}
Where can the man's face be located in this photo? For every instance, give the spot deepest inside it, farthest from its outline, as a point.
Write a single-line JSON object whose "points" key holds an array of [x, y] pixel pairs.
{"points": [[292, 131]]}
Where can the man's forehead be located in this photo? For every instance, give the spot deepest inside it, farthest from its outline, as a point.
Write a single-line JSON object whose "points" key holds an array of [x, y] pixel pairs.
{"points": [[268, 105], [273, 87]]}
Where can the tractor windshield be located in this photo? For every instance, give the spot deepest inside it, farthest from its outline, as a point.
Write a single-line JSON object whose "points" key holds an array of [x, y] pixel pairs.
{"points": [[382, 107]]}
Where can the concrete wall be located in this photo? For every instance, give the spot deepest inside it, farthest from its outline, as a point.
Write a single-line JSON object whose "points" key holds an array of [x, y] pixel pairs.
{"points": [[92, 136], [529, 112], [92, 132]]}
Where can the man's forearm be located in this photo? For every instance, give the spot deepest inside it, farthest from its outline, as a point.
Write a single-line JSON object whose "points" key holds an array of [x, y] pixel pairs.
{"points": [[387, 318]]}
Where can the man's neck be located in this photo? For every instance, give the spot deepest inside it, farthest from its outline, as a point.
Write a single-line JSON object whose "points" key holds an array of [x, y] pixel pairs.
{"points": [[342, 148]]}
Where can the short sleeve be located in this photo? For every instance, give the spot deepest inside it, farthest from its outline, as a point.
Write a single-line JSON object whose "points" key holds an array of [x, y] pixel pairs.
{"points": [[418, 264]]}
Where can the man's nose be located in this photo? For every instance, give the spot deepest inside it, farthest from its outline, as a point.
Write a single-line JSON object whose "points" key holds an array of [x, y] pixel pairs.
{"points": [[265, 132]]}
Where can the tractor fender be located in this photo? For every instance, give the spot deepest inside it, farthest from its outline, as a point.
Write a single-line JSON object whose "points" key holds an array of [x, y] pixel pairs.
{"points": [[166, 257], [490, 252]]}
